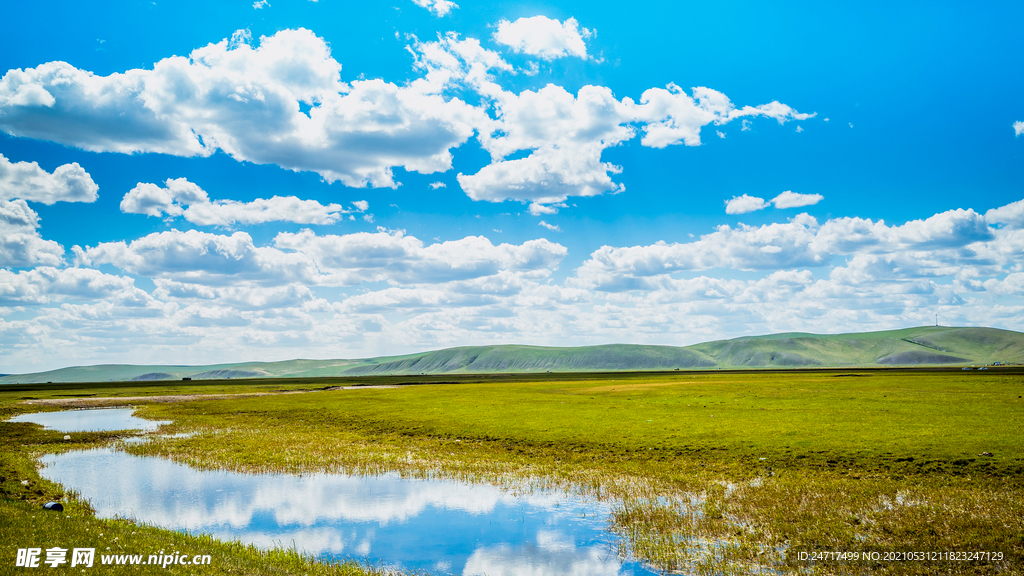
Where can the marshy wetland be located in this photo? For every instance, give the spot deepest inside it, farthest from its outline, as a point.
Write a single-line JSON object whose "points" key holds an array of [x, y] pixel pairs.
{"points": [[686, 472]]}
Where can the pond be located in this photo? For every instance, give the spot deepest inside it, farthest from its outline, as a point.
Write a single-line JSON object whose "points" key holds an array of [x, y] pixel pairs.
{"points": [[438, 526], [98, 420]]}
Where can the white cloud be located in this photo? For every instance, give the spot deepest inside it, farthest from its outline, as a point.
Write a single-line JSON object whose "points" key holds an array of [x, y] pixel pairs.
{"points": [[552, 227], [394, 256], [199, 258], [244, 101], [259, 4], [950, 229], [1011, 215], [844, 274], [956, 242], [538, 209], [152, 200], [744, 204], [43, 284], [673, 117], [543, 37], [437, 7], [451, 62], [564, 134], [548, 175], [396, 298], [790, 199], [20, 242], [284, 102], [203, 258], [436, 185], [1018, 128], [769, 247], [244, 296], [553, 118], [27, 181]]}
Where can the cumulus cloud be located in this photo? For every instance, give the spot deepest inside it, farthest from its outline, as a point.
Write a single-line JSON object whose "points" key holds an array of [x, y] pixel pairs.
{"points": [[799, 275], [305, 258], [20, 242], [767, 247], [547, 175], [395, 256], [243, 296], [200, 257], [1018, 128], [44, 284], [944, 244], [789, 199], [950, 229], [1011, 215], [453, 62], [543, 37], [245, 101], [284, 102], [744, 204], [538, 209], [566, 136], [180, 197], [27, 181], [673, 117], [437, 7], [552, 227]]}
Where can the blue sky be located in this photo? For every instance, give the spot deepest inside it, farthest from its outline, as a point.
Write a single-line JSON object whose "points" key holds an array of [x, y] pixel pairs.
{"points": [[194, 183]]}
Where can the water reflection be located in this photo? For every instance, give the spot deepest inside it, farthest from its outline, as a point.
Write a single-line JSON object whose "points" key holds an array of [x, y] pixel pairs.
{"points": [[446, 526], [99, 420]]}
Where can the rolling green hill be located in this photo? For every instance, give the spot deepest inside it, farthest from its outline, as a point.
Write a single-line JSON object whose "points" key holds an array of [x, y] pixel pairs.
{"points": [[484, 359], [925, 346]]}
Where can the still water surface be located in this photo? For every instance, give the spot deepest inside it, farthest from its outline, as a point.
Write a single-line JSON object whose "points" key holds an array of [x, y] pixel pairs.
{"points": [[439, 526], [99, 420]]}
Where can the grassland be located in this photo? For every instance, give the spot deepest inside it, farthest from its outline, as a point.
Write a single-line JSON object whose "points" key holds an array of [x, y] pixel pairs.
{"points": [[710, 472], [928, 345], [23, 522]]}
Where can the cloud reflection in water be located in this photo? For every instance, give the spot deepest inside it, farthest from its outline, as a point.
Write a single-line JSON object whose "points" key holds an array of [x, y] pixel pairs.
{"points": [[429, 525]]}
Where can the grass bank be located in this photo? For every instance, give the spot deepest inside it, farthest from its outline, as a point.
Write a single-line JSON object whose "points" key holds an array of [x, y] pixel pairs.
{"points": [[25, 524], [713, 472]]}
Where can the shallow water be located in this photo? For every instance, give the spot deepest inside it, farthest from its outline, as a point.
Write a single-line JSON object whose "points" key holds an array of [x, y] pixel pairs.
{"points": [[439, 526], [99, 420]]}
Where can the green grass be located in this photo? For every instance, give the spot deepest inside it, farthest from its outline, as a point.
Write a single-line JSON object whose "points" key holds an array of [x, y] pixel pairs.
{"points": [[711, 472], [25, 524], [928, 345], [872, 421]]}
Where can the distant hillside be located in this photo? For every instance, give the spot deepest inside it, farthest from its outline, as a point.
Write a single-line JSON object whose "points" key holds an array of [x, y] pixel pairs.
{"points": [[485, 359], [926, 346], [930, 345]]}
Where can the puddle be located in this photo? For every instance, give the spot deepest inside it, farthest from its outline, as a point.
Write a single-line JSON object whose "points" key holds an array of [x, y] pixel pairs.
{"points": [[436, 526], [99, 420]]}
